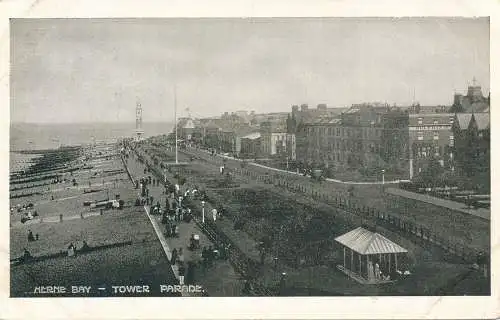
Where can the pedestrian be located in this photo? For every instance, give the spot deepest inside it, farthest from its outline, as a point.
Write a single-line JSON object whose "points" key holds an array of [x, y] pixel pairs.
{"points": [[26, 255], [182, 271], [173, 260], [214, 214], [30, 236], [177, 213], [71, 250]]}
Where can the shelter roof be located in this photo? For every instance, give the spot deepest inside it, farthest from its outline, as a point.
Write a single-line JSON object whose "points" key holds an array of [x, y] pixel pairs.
{"points": [[366, 242]]}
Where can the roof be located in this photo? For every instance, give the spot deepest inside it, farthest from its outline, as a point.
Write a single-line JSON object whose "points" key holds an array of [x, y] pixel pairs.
{"points": [[352, 110], [431, 115], [463, 120], [252, 136], [320, 121], [366, 242], [482, 120]]}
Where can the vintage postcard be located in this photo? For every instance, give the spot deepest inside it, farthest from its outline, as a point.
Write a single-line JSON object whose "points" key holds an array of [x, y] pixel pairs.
{"points": [[263, 157]]}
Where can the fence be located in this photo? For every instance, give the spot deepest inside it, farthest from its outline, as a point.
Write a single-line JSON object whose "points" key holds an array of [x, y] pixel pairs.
{"points": [[405, 227]]}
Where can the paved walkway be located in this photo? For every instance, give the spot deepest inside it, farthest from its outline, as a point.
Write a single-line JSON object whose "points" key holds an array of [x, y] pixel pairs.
{"points": [[452, 205], [299, 174], [185, 229]]}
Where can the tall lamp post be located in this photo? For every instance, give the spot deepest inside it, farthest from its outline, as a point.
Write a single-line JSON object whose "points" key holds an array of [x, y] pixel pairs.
{"points": [[203, 212], [383, 176]]}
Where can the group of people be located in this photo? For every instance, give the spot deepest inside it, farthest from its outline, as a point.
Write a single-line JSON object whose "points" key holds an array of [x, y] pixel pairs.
{"points": [[177, 211], [32, 237], [72, 248]]}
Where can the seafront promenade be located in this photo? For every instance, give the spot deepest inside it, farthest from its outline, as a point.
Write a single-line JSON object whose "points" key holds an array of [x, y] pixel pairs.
{"points": [[220, 279]]}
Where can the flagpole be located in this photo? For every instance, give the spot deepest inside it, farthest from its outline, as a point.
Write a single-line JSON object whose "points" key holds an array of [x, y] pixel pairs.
{"points": [[175, 115]]}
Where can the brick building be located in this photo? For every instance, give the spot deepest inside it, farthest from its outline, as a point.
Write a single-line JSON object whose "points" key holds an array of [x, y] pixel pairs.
{"points": [[430, 138], [363, 136]]}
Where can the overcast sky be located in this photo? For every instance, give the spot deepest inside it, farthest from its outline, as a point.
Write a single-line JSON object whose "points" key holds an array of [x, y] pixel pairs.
{"points": [[95, 70]]}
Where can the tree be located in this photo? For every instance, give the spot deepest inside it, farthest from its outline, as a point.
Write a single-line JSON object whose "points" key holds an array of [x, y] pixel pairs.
{"points": [[433, 171], [457, 108]]}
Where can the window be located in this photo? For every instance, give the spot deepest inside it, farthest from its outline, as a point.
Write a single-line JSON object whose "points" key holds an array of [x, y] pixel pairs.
{"points": [[435, 122], [338, 131], [420, 136], [436, 136], [419, 120]]}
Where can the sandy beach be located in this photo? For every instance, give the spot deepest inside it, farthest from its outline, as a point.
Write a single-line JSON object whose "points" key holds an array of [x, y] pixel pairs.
{"points": [[124, 245]]}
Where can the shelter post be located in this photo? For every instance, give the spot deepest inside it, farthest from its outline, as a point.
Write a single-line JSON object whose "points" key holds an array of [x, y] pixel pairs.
{"points": [[389, 263], [352, 260], [396, 260], [344, 257], [367, 273], [360, 272]]}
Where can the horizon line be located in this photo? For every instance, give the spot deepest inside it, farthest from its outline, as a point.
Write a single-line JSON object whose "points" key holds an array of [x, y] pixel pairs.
{"points": [[85, 122]]}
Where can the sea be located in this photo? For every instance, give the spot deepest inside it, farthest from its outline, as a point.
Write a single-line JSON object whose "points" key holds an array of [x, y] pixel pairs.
{"points": [[27, 136]]}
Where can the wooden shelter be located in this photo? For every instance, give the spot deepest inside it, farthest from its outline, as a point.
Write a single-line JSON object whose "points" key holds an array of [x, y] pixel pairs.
{"points": [[369, 257]]}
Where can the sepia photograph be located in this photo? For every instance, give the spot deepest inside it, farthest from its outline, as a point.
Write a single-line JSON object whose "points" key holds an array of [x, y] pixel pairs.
{"points": [[247, 160], [232, 157]]}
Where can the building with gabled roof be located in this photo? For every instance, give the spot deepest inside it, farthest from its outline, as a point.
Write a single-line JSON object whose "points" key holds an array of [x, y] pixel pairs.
{"points": [[472, 143]]}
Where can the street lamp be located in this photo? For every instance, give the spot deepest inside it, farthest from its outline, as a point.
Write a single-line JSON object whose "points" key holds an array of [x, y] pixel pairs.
{"points": [[202, 211], [383, 176]]}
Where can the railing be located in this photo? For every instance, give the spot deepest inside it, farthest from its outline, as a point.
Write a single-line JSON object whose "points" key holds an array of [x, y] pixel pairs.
{"points": [[388, 221]]}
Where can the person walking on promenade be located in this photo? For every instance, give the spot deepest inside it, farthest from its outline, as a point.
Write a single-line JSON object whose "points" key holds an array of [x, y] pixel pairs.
{"points": [[214, 214], [173, 260], [30, 236]]}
